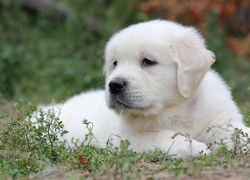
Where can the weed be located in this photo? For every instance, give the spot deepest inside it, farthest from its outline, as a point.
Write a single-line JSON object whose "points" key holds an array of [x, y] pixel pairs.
{"points": [[241, 142], [26, 147]]}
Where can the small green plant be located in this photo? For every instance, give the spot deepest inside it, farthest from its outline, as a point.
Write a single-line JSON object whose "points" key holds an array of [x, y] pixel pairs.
{"points": [[89, 136], [26, 147], [241, 142]]}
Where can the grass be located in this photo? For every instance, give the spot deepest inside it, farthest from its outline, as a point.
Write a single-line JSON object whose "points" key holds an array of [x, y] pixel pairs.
{"points": [[29, 150], [43, 59]]}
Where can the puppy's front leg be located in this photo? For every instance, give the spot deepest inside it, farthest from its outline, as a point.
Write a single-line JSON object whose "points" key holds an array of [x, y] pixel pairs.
{"points": [[176, 145]]}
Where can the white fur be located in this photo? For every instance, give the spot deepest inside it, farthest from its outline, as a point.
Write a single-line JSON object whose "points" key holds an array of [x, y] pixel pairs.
{"points": [[177, 104]]}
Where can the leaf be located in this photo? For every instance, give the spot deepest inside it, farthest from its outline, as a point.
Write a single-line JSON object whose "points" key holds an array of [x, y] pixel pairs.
{"points": [[82, 160]]}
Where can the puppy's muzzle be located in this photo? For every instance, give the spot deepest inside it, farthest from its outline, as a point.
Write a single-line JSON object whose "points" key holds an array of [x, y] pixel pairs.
{"points": [[117, 86]]}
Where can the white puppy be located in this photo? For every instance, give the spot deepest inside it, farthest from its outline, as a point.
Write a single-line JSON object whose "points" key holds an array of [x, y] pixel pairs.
{"points": [[160, 93]]}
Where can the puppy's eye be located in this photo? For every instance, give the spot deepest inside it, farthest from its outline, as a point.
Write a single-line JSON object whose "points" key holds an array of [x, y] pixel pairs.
{"points": [[115, 63], [148, 62]]}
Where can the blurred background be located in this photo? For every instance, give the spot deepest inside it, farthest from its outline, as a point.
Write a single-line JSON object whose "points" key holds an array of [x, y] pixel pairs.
{"points": [[53, 49]]}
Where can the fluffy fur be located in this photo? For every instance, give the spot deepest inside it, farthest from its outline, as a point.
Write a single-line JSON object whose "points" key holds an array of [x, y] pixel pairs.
{"points": [[159, 93]]}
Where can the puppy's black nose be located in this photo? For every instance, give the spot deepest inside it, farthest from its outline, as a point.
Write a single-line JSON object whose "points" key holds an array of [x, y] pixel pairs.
{"points": [[116, 86]]}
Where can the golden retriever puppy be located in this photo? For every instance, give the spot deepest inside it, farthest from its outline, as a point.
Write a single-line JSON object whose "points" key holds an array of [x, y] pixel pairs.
{"points": [[160, 93]]}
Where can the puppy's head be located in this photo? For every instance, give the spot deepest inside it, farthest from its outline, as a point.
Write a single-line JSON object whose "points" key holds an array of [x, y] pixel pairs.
{"points": [[153, 65]]}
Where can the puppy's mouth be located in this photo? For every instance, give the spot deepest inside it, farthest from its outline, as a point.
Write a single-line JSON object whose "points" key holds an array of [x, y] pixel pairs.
{"points": [[120, 102]]}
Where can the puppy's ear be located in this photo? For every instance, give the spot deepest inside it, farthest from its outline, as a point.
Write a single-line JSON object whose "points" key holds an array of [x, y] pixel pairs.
{"points": [[193, 61]]}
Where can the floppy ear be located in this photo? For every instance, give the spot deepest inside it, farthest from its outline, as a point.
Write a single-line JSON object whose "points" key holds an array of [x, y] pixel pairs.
{"points": [[193, 61]]}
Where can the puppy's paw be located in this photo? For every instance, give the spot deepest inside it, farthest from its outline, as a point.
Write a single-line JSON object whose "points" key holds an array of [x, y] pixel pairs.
{"points": [[198, 148], [188, 148]]}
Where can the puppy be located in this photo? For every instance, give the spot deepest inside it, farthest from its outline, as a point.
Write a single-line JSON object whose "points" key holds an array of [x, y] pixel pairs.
{"points": [[160, 93]]}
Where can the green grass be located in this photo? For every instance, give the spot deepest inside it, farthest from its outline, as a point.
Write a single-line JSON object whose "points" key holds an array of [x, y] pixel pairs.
{"points": [[32, 149], [43, 60]]}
